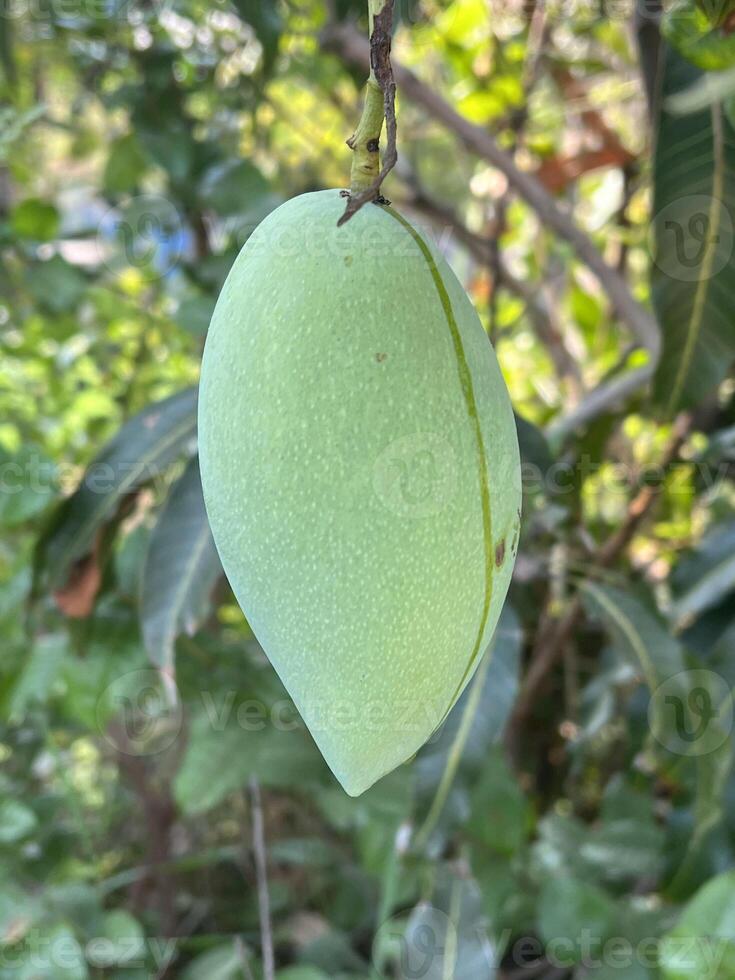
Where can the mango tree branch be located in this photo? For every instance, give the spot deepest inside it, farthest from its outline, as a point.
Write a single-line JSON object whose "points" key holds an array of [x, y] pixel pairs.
{"points": [[380, 103], [347, 41]]}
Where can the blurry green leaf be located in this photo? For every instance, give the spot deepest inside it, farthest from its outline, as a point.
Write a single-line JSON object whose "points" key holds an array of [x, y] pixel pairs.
{"points": [[55, 284], [639, 634], [41, 667], [195, 313], [53, 954], [125, 165], [301, 973], [695, 28], [143, 448], [535, 451], [705, 577], [234, 187], [121, 940], [16, 821], [35, 219], [476, 721], [181, 569], [702, 945], [568, 909], [222, 963], [447, 938], [499, 811], [27, 484], [170, 145], [693, 272], [221, 757]]}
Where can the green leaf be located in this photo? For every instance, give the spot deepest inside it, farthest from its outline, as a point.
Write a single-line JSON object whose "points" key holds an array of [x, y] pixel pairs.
{"points": [[125, 166], [16, 821], [195, 313], [145, 446], [180, 571], [55, 284], [702, 944], [695, 29], [475, 722], [693, 273], [28, 484], [499, 813], [567, 909], [122, 939], [639, 633], [707, 576], [234, 187], [447, 938], [35, 219], [222, 963], [219, 760]]}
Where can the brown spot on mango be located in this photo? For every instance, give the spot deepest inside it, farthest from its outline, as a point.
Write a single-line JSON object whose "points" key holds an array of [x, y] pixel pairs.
{"points": [[500, 553]]}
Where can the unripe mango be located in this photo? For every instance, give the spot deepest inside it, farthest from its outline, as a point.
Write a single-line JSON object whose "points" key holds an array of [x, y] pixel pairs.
{"points": [[361, 474]]}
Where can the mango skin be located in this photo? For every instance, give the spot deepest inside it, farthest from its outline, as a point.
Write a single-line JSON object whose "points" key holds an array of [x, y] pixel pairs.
{"points": [[361, 473]]}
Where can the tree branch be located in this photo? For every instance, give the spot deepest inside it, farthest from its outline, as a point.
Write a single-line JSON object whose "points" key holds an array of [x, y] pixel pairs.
{"points": [[261, 870]]}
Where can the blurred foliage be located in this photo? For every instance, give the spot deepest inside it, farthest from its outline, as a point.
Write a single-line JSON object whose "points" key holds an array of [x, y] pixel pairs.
{"points": [[593, 836]]}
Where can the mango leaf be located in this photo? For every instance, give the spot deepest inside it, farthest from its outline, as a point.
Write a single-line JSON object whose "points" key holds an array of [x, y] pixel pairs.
{"points": [[704, 578], [702, 944], [234, 187], [679, 713], [55, 284], [693, 272], [35, 219], [695, 29], [180, 571], [125, 165], [568, 909], [145, 446], [220, 758], [458, 750], [221, 963], [639, 634]]}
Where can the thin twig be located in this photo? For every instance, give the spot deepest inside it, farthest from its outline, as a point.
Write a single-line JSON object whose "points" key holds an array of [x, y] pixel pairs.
{"points": [[261, 870]]}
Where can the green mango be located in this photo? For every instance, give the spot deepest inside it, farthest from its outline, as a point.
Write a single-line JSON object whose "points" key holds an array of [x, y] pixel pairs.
{"points": [[361, 473]]}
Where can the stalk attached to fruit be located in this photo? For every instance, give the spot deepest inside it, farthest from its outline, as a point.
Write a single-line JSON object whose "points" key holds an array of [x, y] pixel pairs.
{"points": [[366, 176]]}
